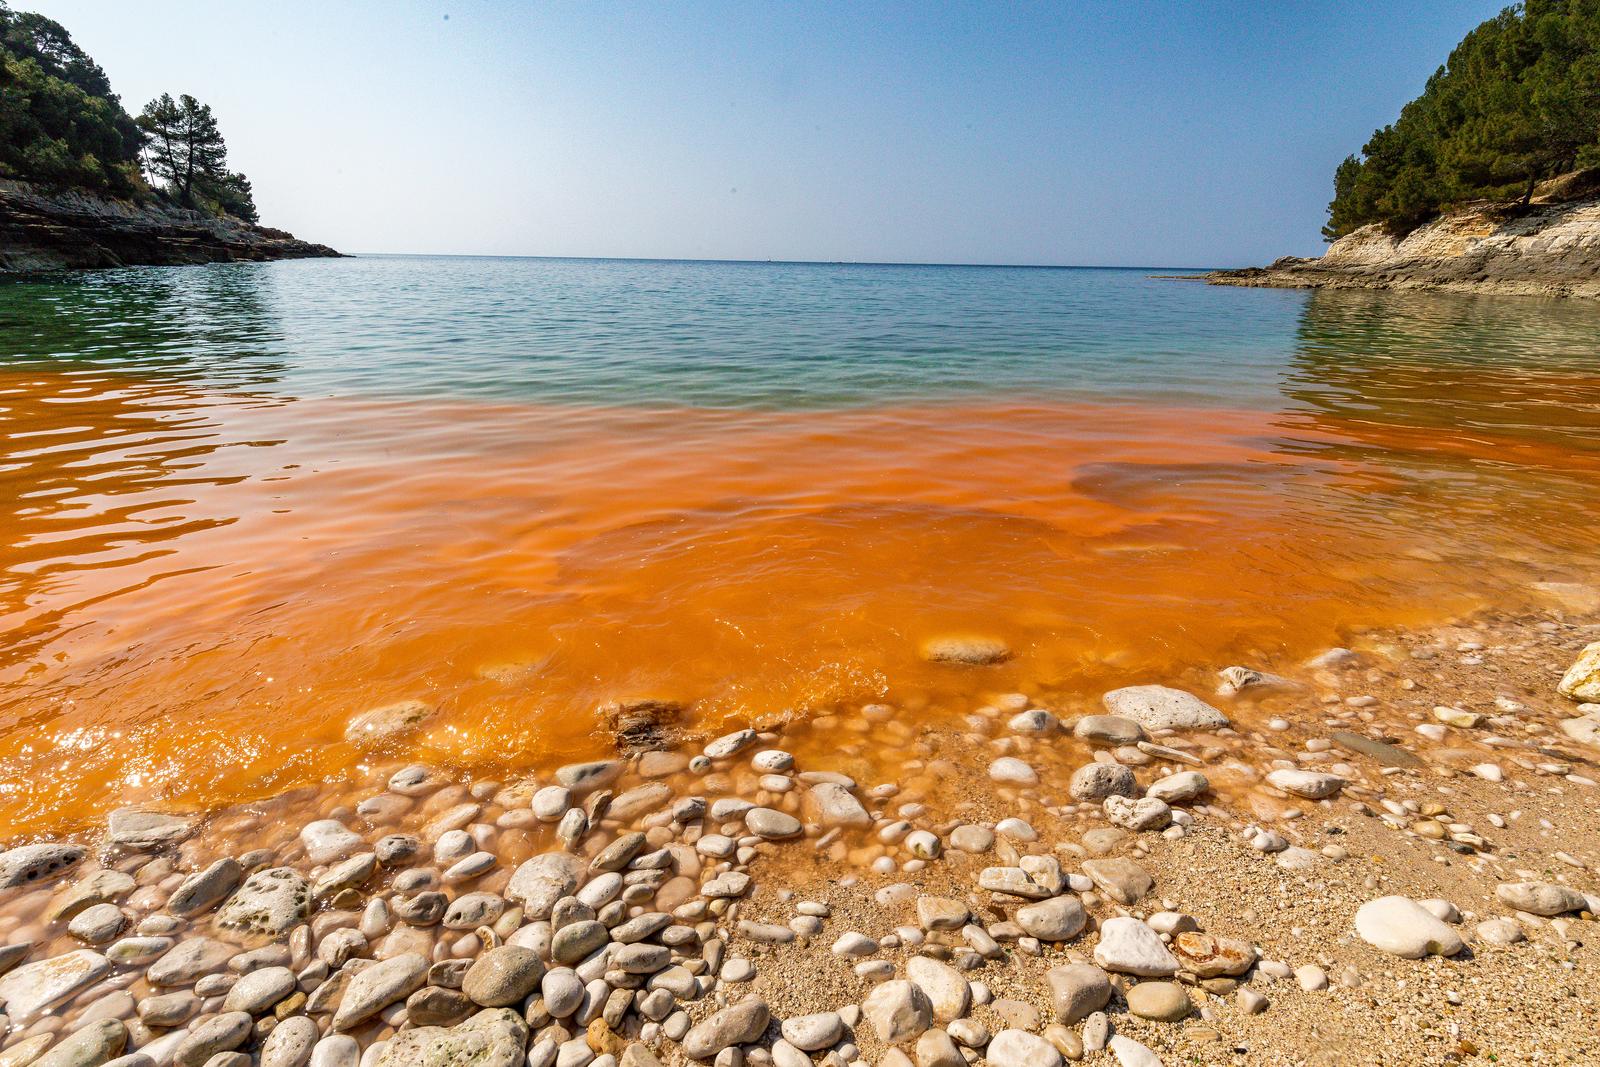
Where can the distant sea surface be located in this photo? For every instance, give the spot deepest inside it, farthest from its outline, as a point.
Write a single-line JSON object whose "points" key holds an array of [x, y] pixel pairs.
{"points": [[245, 502]]}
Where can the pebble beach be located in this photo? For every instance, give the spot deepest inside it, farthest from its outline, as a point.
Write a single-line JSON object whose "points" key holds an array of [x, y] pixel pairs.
{"points": [[1387, 848]]}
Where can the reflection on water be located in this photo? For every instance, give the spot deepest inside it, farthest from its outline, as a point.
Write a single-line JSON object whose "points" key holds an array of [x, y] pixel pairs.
{"points": [[252, 500]]}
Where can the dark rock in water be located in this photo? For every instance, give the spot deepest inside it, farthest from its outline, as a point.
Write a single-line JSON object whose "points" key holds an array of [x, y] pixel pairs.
{"points": [[1385, 753], [641, 724], [42, 230]]}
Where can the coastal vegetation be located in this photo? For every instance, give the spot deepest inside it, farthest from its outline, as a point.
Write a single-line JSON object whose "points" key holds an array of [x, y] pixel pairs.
{"points": [[1518, 101], [62, 127]]}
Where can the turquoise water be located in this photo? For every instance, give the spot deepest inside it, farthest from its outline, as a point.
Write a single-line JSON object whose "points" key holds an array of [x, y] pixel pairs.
{"points": [[248, 501], [760, 335]]}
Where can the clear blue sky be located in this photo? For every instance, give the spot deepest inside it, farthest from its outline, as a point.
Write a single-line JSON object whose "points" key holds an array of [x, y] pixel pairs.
{"points": [[1188, 133]]}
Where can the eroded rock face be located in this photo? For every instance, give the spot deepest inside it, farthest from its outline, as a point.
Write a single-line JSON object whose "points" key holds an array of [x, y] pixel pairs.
{"points": [[493, 1038], [37, 864], [270, 903], [1546, 250], [42, 230]]}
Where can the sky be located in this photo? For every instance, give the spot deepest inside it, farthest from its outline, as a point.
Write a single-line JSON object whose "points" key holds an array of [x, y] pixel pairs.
{"points": [[1198, 133]]}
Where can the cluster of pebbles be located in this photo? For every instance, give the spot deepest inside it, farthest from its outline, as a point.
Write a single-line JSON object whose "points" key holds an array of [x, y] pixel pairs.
{"points": [[611, 911]]}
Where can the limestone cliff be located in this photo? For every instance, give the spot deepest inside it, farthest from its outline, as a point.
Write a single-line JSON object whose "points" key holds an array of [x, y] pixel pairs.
{"points": [[1548, 248], [42, 230]]}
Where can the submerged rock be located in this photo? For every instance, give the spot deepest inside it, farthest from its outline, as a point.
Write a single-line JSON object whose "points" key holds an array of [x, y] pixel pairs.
{"points": [[377, 727], [139, 829], [968, 651], [31, 988]]}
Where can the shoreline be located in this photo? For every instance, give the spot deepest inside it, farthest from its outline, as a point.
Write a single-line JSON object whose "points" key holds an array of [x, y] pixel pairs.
{"points": [[1550, 248], [1031, 862], [44, 232]]}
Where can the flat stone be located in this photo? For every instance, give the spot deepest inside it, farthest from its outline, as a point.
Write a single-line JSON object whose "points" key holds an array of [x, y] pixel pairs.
{"points": [[1108, 730], [1211, 957], [270, 903], [1309, 784], [37, 864], [1011, 770], [143, 830], [641, 800], [941, 913], [1402, 927], [204, 889], [1018, 1048], [492, 1038], [1076, 989], [833, 805], [1129, 946], [1157, 707], [1163, 1001], [97, 924], [219, 1033], [189, 960], [573, 943], [379, 727], [1059, 918], [586, 777], [376, 987], [1179, 788], [88, 1046], [972, 838], [948, 993], [1385, 754], [1013, 881], [1500, 931], [1131, 1053], [730, 744], [738, 1024], [30, 989], [259, 990], [1121, 879], [811, 1033], [503, 976], [899, 1011], [541, 881], [1540, 898], [935, 1048], [771, 824]]}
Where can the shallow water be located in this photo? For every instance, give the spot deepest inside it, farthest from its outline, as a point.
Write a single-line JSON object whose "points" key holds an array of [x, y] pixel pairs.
{"points": [[248, 501]]}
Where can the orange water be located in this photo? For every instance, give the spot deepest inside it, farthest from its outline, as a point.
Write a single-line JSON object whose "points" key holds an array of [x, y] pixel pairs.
{"points": [[202, 586]]}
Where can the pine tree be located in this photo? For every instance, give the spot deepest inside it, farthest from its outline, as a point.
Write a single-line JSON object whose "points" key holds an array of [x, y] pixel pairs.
{"points": [[187, 152]]}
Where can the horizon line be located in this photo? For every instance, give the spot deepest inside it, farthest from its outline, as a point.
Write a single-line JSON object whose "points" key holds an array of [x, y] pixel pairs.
{"points": [[770, 262]]}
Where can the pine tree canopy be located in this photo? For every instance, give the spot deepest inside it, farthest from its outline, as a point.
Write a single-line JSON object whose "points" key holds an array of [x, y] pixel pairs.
{"points": [[1518, 101]]}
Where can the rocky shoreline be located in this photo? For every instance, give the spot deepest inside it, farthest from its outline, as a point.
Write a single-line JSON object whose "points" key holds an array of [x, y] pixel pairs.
{"points": [[1550, 248], [1390, 850], [42, 230]]}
